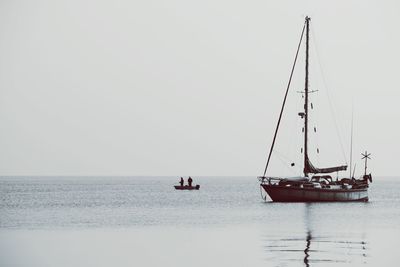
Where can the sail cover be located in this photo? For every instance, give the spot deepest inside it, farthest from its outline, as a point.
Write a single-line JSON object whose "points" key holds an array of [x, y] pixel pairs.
{"points": [[309, 168]]}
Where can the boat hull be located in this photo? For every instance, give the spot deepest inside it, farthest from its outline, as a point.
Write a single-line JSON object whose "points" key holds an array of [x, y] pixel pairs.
{"points": [[296, 194], [186, 187]]}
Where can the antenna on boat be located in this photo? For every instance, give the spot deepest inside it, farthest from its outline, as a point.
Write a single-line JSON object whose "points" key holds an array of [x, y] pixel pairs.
{"points": [[351, 140], [366, 157]]}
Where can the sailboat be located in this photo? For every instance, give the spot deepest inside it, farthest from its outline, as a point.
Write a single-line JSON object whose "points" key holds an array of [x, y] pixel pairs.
{"points": [[316, 184]]}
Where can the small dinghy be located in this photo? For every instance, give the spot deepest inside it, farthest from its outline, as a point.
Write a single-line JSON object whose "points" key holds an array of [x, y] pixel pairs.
{"points": [[186, 187]]}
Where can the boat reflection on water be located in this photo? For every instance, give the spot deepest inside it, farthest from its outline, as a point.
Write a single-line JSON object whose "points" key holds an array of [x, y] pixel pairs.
{"points": [[306, 251], [316, 246]]}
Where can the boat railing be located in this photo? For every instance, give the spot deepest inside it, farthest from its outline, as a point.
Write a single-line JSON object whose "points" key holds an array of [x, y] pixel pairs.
{"points": [[269, 179]]}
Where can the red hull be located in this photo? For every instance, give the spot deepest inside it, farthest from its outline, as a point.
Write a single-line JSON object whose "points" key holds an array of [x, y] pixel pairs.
{"points": [[295, 194]]}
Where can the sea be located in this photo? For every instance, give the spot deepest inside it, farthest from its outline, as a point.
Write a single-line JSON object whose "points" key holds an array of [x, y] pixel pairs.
{"points": [[144, 221]]}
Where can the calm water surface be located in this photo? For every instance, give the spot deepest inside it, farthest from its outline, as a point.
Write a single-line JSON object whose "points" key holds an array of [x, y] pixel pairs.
{"points": [[143, 221]]}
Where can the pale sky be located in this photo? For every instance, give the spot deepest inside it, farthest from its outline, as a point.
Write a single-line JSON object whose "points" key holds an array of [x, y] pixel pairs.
{"points": [[187, 87]]}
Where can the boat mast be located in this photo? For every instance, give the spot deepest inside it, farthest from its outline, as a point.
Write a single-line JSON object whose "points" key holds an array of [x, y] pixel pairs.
{"points": [[306, 101]]}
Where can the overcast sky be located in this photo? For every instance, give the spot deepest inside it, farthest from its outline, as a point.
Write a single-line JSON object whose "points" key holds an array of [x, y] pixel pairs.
{"points": [[187, 87]]}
